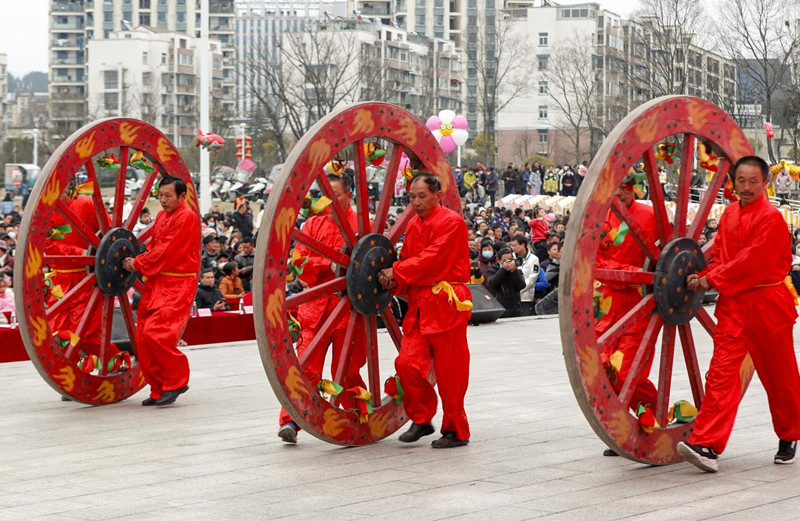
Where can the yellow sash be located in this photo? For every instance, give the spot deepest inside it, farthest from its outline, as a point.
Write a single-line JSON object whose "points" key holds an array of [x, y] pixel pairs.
{"points": [[465, 305], [72, 270]]}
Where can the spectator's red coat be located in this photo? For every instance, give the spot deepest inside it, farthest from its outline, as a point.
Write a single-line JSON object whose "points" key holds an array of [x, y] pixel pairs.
{"points": [[171, 265], [750, 259]]}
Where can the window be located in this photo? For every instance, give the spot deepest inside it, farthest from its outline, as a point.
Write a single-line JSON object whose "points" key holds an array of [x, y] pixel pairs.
{"points": [[543, 136], [543, 62], [542, 111], [163, 58], [111, 100], [111, 80], [542, 86], [543, 39], [144, 57], [144, 4], [108, 16], [144, 19]]}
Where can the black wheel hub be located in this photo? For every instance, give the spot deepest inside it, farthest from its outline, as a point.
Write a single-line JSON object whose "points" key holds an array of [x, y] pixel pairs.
{"points": [[679, 259], [370, 255], [115, 247]]}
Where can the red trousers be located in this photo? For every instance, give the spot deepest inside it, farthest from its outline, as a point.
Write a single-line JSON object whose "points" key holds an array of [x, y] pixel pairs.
{"points": [[450, 356], [774, 360], [163, 311], [621, 302], [314, 366], [68, 318]]}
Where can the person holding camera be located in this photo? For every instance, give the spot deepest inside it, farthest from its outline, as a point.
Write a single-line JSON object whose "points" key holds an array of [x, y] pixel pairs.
{"points": [[506, 281]]}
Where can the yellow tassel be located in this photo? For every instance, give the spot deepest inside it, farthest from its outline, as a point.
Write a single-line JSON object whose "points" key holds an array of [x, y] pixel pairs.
{"points": [[445, 286]]}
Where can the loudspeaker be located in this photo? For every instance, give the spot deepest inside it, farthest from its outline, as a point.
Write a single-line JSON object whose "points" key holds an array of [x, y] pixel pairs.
{"points": [[485, 308]]}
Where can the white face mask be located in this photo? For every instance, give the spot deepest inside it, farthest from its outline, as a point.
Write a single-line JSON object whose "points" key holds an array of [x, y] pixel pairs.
{"points": [[487, 254]]}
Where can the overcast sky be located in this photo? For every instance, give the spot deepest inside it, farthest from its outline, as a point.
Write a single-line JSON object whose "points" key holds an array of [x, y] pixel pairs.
{"points": [[23, 31]]}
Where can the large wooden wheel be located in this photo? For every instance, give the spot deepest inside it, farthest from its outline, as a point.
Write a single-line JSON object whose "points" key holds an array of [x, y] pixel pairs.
{"points": [[666, 307], [340, 134], [68, 282]]}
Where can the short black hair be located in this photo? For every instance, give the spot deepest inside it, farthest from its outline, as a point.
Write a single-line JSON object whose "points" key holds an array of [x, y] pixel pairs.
{"points": [[518, 212], [487, 242], [520, 239], [145, 210], [431, 180], [228, 268], [751, 161], [206, 270], [180, 186], [344, 179], [248, 240], [504, 251], [508, 213]]}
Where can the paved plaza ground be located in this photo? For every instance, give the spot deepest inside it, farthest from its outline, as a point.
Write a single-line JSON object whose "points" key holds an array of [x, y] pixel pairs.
{"points": [[215, 455]]}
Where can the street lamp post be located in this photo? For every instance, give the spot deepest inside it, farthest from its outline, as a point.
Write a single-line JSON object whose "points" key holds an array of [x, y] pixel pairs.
{"points": [[35, 134], [205, 93]]}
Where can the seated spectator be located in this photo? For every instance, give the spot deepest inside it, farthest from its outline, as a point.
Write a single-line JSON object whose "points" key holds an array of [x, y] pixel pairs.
{"points": [[552, 265], [6, 295], [210, 255], [231, 285], [222, 260], [474, 249], [482, 265], [530, 272], [208, 295], [505, 283], [143, 222], [6, 260], [245, 261]]}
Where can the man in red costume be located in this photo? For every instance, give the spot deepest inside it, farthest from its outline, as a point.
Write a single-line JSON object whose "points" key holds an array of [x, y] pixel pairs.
{"points": [[170, 266], [312, 315], [620, 251], [433, 271], [64, 239], [749, 261]]}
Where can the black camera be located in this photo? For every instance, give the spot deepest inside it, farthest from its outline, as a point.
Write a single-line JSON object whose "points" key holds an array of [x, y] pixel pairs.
{"points": [[518, 261]]}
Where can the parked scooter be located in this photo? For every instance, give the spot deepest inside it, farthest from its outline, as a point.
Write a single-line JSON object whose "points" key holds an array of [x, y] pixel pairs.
{"points": [[221, 183]]}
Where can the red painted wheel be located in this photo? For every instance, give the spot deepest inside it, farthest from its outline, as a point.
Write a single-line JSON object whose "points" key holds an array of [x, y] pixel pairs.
{"points": [[340, 134], [67, 276], [686, 121]]}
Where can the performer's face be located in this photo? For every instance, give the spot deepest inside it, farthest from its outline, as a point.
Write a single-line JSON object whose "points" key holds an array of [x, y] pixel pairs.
{"points": [[422, 200], [625, 194], [343, 197], [168, 198], [750, 183]]}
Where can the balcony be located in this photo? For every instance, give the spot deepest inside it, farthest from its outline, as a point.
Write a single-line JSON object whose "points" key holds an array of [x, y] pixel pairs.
{"points": [[68, 6], [71, 25]]}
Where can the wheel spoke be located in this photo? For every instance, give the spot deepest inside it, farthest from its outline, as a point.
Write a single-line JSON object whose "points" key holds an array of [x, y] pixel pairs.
{"points": [[141, 198], [636, 231], [629, 277], [130, 321], [665, 373], [387, 194], [706, 321], [400, 226], [106, 323], [643, 355], [362, 194], [78, 224], [138, 286], [684, 184], [373, 367], [323, 290], [91, 306], [709, 199], [318, 246], [69, 261], [119, 189], [613, 334], [322, 338], [656, 195], [338, 214], [356, 322], [392, 327], [97, 196], [66, 301], [692, 367]]}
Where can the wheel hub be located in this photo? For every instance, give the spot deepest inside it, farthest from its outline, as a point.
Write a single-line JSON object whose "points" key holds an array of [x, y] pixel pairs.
{"points": [[371, 254], [679, 259], [114, 247]]}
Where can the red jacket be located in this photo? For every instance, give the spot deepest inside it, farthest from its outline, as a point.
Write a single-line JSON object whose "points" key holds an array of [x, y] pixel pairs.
{"points": [[435, 250], [174, 246], [73, 242], [627, 255], [750, 259]]}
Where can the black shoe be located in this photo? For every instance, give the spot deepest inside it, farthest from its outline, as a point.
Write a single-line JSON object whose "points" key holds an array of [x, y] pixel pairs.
{"points": [[148, 401], [786, 451], [704, 458], [448, 441], [168, 397], [609, 453], [416, 431], [65, 398], [288, 432]]}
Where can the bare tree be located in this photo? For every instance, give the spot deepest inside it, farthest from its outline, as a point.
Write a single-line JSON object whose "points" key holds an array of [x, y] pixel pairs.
{"points": [[499, 57], [572, 87], [761, 36]]}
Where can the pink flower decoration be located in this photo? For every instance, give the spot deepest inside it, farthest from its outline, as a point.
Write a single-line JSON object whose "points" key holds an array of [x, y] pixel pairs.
{"points": [[449, 129]]}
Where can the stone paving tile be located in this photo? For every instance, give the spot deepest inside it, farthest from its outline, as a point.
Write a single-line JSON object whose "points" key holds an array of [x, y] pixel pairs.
{"points": [[215, 455]]}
